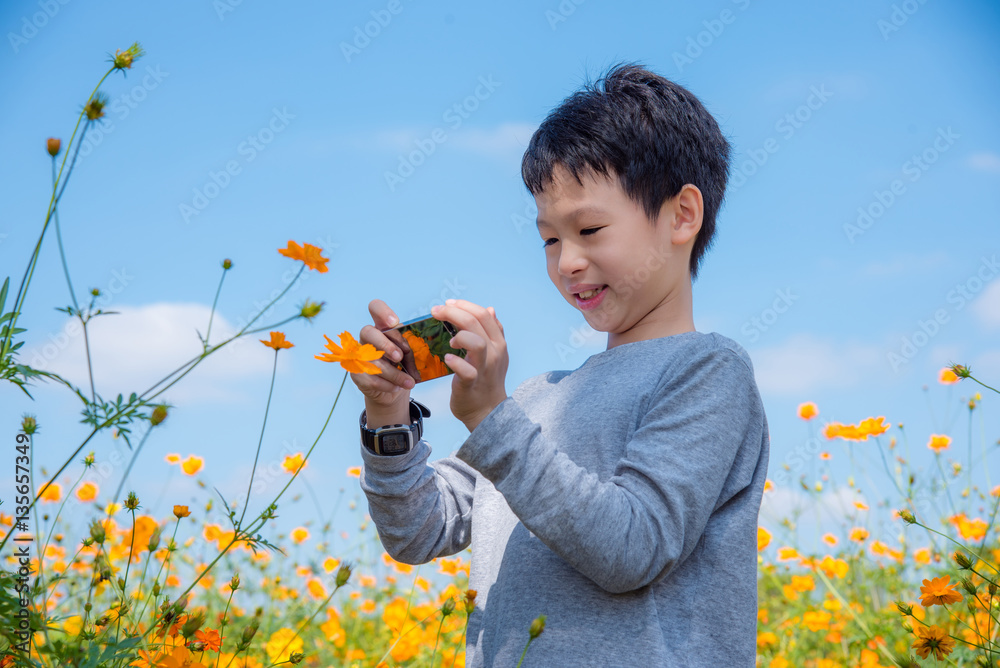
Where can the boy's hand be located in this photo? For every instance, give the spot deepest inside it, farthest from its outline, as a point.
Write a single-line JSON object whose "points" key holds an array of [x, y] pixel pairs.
{"points": [[478, 386], [391, 388]]}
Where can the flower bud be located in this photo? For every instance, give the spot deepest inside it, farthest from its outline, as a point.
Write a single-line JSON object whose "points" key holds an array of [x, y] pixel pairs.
{"points": [[234, 583], [97, 532], [907, 516], [296, 657], [448, 607], [227, 264], [962, 560], [131, 501], [53, 146], [88, 461], [470, 601], [311, 309], [94, 109], [29, 425], [95, 292], [904, 608], [159, 415], [156, 588], [154, 539], [537, 627], [343, 574], [193, 623]]}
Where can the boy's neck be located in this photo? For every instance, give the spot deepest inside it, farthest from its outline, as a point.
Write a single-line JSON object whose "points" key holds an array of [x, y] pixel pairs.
{"points": [[674, 315]]}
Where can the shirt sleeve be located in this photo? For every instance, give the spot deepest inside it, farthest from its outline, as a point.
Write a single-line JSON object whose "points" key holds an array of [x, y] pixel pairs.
{"points": [[421, 511], [635, 527]]}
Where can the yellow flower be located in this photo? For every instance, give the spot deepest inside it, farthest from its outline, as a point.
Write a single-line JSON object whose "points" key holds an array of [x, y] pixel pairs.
{"points": [[763, 538], [192, 464], [52, 493], [277, 341], [282, 644], [859, 535], [309, 255], [933, 639], [769, 486], [87, 492], [300, 535], [947, 376], [816, 620], [354, 472], [172, 458], [939, 591], [808, 410], [294, 463], [938, 442], [829, 539], [353, 356], [181, 511]]}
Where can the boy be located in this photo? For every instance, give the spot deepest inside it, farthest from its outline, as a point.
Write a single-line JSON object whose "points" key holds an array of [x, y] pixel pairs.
{"points": [[619, 499]]}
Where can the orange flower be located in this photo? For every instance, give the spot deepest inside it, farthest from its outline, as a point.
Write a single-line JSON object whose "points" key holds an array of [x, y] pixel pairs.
{"points": [[763, 538], [87, 492], [860, 505], [825, 456], [859, 535], [969, 529], [211, 638], [277, 341], [300, 535], [933, 639], [938, 591], [192, 464], [829, 539], [353, 356], [873, 426], [172, 458], [787, 554], [947, 377], [354, 472], [294, 463], [769, 486], [52, 493], [181, 511], [859, 432], [938, 442], [808, 410], [309, 255]]}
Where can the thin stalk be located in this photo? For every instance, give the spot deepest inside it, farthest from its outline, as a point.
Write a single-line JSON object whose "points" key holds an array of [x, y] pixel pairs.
{"points": [[256, 457], [214, 303], [128, 468], [62, 252], [128, 565]]}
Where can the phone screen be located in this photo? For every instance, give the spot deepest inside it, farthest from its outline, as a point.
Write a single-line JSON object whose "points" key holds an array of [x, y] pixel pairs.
{"points": [[424, 342]]}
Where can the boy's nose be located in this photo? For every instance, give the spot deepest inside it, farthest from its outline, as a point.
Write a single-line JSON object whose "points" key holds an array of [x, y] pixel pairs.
{"points": [[571, 260]]}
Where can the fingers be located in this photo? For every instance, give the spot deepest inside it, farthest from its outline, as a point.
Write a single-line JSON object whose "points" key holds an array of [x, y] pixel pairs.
{"points": [[383, 316], [472, 317]]}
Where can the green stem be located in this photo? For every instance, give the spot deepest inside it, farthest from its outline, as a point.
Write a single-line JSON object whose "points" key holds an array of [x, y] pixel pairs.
{"points": [[128, 468], [521, 660], [984, 384], [128, 565], [267, 408], [214, 303], [62, 252]]}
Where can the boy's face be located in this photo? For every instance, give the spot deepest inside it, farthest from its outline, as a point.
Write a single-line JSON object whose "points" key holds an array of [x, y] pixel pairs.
{"points": [[596, 237]]}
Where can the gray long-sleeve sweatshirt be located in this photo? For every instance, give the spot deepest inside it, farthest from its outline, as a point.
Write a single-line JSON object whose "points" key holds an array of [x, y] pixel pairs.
{"points": [[619, 499]]}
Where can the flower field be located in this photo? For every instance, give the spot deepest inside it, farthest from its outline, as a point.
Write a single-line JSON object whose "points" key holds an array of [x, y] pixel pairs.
{"points": [[911, 582]]}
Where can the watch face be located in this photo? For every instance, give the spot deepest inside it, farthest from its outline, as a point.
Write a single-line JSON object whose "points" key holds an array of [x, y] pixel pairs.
{"points": [[395, 444]]}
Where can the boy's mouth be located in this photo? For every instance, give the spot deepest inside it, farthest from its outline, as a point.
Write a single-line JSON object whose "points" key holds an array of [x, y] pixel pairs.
{"points": [[589, 299]]}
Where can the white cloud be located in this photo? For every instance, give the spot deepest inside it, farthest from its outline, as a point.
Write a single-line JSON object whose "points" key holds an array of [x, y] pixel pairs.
{"points": [[134, 348], [787, 502], [986, 307], [805, 363], [985, 161]]}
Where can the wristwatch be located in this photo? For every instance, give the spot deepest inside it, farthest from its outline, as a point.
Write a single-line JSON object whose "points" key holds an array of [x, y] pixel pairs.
{"points": [[395, 439]]}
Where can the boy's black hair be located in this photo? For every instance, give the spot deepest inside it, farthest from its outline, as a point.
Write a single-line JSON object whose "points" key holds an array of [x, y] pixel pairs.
{"points": [[652, 133]]}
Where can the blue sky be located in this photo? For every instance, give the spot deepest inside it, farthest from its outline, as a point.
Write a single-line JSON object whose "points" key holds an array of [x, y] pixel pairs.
{"points": [[833, 110]]}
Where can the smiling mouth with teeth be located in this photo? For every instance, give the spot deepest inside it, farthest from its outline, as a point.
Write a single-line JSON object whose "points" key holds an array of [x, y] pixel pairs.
{"points": [[590, 293]]}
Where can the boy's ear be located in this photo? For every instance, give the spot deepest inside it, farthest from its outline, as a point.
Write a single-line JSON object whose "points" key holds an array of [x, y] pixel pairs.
{"points": [[687, 209]]}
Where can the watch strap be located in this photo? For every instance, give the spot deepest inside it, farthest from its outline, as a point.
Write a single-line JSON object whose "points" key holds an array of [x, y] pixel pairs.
{"points": [[369, 436]]}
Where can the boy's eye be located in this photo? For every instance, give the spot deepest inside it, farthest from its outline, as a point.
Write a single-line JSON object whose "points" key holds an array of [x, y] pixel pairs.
{"points": [[589, 230]]}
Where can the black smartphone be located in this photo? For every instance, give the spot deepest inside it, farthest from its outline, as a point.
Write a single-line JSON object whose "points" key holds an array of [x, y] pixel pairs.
{"points": [[424, 342]]}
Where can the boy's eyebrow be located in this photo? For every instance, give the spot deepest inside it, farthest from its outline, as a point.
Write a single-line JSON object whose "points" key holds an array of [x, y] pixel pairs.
{"points": [[585, 209]]}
